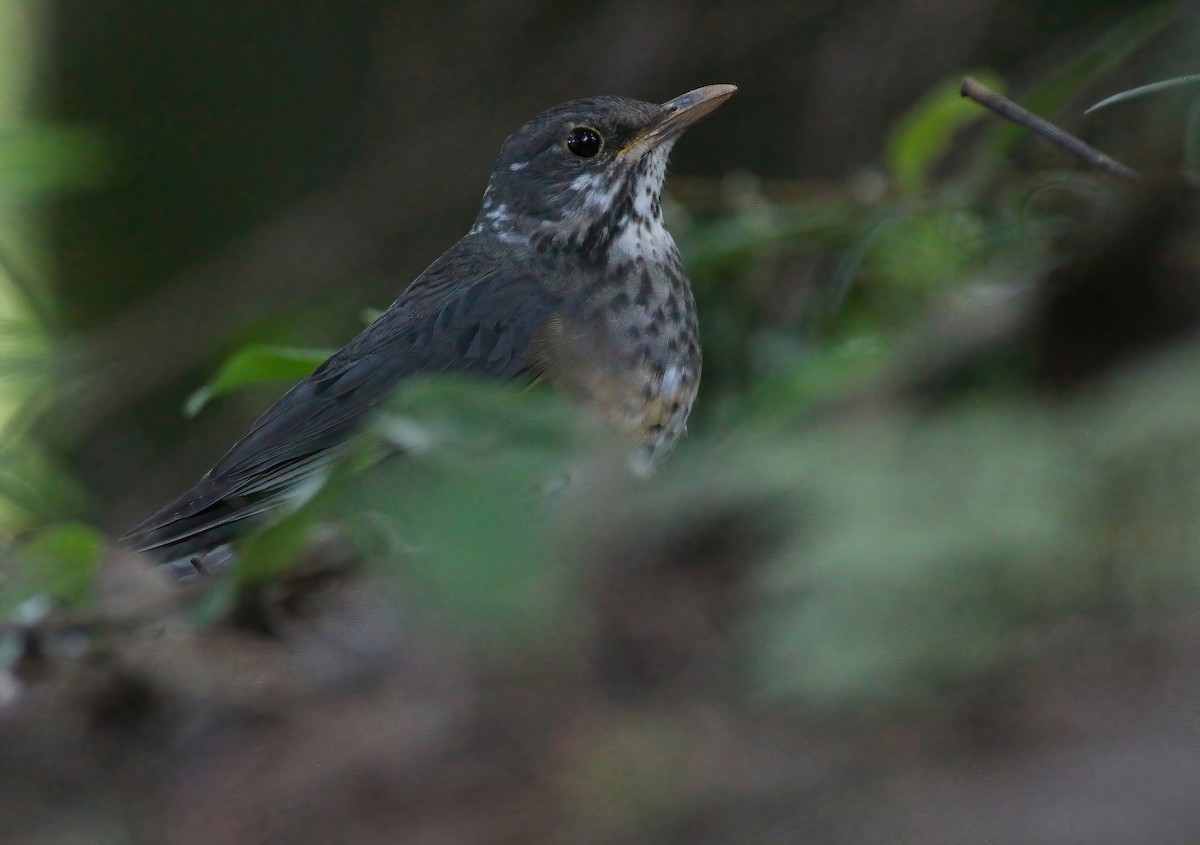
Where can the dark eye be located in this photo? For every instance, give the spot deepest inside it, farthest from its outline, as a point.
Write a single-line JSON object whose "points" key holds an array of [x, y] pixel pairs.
{"points": [[584, 141]]}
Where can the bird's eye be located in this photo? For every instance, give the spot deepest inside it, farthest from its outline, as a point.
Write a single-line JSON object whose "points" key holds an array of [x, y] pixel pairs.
{"points": [[584, 141]]}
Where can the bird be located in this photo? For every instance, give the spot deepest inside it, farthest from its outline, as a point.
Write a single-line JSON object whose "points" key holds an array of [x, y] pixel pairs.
{"points": [[568, 276]]}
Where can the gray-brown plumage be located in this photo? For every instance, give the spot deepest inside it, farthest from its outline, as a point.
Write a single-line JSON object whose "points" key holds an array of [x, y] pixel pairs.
{"points": [[568, 275]]}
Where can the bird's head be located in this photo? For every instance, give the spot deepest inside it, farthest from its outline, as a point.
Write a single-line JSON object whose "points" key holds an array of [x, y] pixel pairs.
{"points": [[577, 176]]}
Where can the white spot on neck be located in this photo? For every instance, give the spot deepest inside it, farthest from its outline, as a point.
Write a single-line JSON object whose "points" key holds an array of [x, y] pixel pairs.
{"points": [[496, 219], [584, 181], [518, 165], [511, 238], [597, 191]]}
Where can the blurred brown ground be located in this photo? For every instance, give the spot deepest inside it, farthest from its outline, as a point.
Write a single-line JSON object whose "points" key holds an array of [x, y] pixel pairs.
{"points": [[347, 723]]}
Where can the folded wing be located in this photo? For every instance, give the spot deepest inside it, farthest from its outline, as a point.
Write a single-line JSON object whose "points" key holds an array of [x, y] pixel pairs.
{"points": [[483, 327]]}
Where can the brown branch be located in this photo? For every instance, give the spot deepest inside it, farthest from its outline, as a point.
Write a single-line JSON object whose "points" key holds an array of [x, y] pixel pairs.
{"points": [[1006, 108]]}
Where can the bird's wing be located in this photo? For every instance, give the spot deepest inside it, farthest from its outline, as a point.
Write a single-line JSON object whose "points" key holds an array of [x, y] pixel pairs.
{"points": [[484, 327]]}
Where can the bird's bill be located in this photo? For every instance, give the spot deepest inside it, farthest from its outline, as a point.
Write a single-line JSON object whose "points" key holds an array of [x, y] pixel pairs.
{"points": [[680, 113]]}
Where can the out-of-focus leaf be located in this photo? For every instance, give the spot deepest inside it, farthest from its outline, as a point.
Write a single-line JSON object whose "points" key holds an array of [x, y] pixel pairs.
{"points": [[473, 418], [35, 489], [43, 159], [276, 549], [818, 375], [902, 588], [933, 544], [59, 561], [271, 552], [922, 253], [253, 364], [216, 602], [712, 246], [463, 514], [1143, 90], [450, 492], [922, 137]]}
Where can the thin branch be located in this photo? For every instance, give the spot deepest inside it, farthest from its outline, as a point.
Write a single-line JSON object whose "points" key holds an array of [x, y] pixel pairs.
{"points": [[975, 90]]}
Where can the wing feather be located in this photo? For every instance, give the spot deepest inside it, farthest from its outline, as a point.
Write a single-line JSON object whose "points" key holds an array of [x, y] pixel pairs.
{"points": [[484, 327]]}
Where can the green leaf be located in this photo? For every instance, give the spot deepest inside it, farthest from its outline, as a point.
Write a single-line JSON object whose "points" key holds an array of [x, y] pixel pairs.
{"points": [[257, 363], [35, 488], [446, 490], [925, 133], [923, 253], [60, 561], [40, 159], [1144, 90], [462, 521], [819, 374], [273, 551], [472, 419], [719, 244]]}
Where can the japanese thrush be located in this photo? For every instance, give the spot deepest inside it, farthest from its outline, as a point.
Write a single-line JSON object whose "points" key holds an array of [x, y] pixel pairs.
{"points": [[567, 276]]}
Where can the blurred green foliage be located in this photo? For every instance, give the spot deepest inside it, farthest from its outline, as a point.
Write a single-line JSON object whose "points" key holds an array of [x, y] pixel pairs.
{"points": [[451, 475], [37, 160], [935, 546], [51, 159], [922, 139], [59, 563]]}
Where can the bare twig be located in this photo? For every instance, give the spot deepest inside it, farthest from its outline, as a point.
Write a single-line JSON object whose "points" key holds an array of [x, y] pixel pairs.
{"points": [[1006, 108]]}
